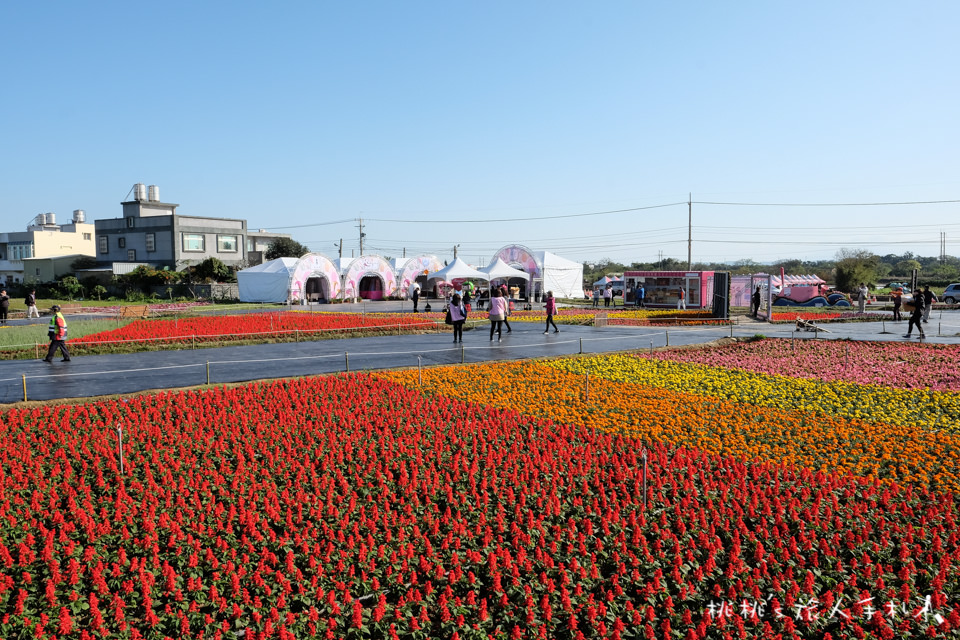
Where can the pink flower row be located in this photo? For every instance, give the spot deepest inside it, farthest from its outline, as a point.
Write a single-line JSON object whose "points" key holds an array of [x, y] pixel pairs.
{"points": [[896, 365]]}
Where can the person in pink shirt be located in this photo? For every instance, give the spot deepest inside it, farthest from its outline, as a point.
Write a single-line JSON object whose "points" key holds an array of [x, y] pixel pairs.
{"points": [[458, 314], [498, 312], [551, 311]]}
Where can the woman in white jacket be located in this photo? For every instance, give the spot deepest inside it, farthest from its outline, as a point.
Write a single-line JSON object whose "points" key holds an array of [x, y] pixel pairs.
{"points": [[498, 312]]}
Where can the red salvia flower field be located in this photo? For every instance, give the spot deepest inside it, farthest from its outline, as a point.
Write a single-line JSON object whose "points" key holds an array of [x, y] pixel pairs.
{"points": [[350, 507]]}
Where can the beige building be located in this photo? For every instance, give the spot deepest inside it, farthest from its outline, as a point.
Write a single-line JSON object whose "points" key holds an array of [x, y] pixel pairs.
{"points": [[44, 239], [37, 270]]}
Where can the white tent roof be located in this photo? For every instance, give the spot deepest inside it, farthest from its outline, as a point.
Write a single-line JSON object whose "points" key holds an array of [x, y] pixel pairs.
{"points": [[563, 277], [283, 265], [267, 282], [458, 269], [500, 270]]}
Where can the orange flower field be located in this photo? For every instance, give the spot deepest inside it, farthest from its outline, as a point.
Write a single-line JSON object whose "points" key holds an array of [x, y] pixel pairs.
{"points": [[809, 438]]}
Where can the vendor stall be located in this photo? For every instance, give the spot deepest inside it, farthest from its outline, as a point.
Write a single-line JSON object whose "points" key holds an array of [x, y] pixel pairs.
{"points": [[662, 288]]}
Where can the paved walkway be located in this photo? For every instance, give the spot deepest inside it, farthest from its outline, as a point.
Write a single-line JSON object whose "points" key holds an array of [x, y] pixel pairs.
{"points": [[87, 376]]}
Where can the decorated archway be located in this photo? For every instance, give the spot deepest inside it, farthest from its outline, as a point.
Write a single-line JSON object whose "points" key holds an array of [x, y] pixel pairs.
{"points": [[324, 275], [520, 257], [413, 269], [356, 281]]}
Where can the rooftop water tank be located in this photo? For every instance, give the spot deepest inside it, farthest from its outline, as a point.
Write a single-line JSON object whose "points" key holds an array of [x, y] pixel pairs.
{"points": [[41, 219], [140, 192], [154, 193], [79, 215], [51, 218]]}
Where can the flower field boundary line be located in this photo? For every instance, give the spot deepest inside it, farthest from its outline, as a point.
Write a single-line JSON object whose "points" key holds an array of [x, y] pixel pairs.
{"points": [[96, 373]]}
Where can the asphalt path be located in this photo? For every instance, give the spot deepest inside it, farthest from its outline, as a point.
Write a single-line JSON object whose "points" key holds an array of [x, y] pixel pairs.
{"points": [[86, 376]]}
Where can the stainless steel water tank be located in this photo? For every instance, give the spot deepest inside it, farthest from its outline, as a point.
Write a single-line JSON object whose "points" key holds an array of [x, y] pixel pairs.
{"points": [[154, 193]]}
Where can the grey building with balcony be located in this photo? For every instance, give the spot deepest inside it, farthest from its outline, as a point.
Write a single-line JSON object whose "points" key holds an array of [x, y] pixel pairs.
{"points": [[152, 232]]}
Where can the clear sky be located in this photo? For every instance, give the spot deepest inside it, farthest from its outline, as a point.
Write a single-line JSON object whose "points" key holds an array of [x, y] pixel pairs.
{"points": [[495, 122]]}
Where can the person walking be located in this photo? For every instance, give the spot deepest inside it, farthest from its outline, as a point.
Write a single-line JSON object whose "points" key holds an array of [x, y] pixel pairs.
{"points": [[551, 311], [596, 297], [497, 314], [928, 299], [862, 294], [4, 306], [755, 300], [641, 293], [31, 302], [458, 314], [507, 305], [916, 316], [897, 295], [416, 298], [607, 295], [58, 334], [681, 299]]}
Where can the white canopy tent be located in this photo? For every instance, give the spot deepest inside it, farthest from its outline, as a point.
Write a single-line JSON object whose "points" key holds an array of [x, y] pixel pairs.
{"points": [[500, 270], [458, 269], [267, 282], [548, 271], [563, 277]]}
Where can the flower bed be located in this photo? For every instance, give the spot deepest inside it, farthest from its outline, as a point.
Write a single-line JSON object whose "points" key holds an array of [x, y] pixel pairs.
{"points": [[829, 316], [930, 410], [287, 326], [712, 414], [348, 507], [900, 365]]}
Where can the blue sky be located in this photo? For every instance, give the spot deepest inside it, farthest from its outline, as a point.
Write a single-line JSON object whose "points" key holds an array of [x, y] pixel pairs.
{"points": [[488, 123]]}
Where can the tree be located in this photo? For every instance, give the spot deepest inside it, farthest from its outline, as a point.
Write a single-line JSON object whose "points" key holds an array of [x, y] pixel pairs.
{"points": [[855, 266], [212, 269], [99, 291], [83, 262], [144, 277], [905, 268], [71, 287], [285, 248]]}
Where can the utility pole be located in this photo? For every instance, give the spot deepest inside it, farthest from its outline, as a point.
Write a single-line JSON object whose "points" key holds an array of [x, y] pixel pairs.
{"points": [[341, 248], [455, 251], [362, 234], [404, 252], [689, 231]]}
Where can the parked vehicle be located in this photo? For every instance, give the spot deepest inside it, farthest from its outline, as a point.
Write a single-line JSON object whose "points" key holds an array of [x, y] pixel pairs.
{"points": [[951, 294]]}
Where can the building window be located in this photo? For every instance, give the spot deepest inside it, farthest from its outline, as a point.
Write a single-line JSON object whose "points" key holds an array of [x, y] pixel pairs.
{"points": [[130, 222], [102, 241], [227, 244], [193, 242], [87, 236], [131, 255], [151, 242], [121, 242]]}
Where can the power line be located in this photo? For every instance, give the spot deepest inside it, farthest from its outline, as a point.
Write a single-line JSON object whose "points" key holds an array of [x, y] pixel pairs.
{"points": [[558, 217], [824, 204]]}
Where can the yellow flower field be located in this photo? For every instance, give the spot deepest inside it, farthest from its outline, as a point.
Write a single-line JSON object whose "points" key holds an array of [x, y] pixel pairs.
{"points": [[690, 413], [932, 410]]}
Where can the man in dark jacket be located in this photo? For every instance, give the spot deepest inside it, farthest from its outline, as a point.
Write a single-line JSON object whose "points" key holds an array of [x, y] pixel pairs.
{"points": [[916, 316], [4, 306]]}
